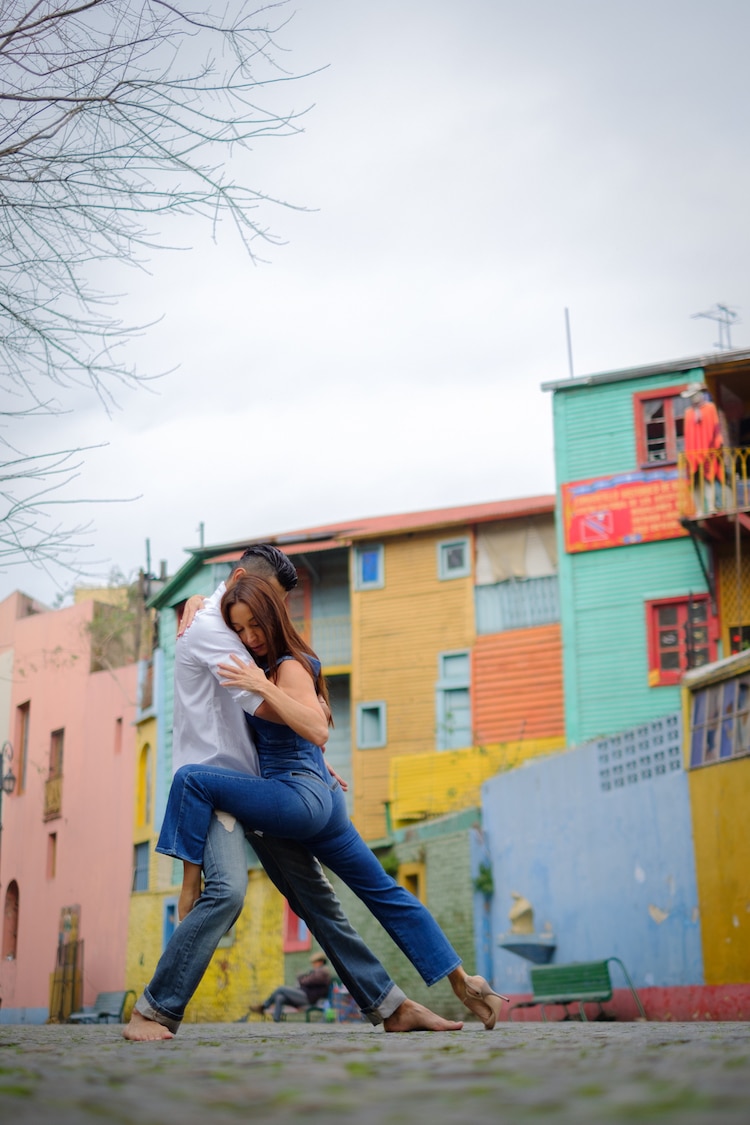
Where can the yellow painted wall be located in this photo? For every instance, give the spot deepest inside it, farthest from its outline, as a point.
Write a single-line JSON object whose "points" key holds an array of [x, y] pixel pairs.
{"points": [[734, 592], [720, 799], [242, 972], [438, 783], [397, 633], [247, 971]]}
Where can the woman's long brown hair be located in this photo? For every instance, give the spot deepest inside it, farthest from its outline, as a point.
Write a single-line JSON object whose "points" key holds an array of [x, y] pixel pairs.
{"points": [[272, 618]]}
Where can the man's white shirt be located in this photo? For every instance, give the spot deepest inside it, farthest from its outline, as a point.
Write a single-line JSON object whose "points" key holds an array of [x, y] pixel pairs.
{"points": [[209, 727]]}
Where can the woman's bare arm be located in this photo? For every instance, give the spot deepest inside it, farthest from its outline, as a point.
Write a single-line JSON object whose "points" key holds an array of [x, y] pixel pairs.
{"points": [[291, 700]]}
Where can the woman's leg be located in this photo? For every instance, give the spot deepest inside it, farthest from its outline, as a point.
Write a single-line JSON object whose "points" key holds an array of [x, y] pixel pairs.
{"points": [[297, 807], [400, 913], [403, 916]]}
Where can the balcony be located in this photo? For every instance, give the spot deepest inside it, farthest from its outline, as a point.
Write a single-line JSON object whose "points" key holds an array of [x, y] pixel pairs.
{"points": [[53, 797], [714, 502]]}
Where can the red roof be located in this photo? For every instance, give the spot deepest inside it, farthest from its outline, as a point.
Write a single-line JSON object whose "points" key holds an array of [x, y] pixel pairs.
{"points": [[327, 536]]}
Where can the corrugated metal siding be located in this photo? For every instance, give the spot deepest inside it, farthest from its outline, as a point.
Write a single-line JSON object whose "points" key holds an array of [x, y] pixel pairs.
{"points": [[517, 685], [397, 634], [605, 629]]}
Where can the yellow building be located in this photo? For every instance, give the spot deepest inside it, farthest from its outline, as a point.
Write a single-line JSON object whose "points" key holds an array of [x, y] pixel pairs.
{"points": [[717, 722]]}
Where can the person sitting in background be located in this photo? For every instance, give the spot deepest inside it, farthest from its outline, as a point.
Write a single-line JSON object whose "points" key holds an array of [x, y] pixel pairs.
{"points": [[313, 986]]}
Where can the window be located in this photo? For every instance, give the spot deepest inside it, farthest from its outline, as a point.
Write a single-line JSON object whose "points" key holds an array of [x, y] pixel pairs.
{"points": [[369, 570], [296, 936], [10, 923], [739, 638], [371, 726], [169, 921], [453, 701], [56, 741], [146, 686], [681, 635], [659, 421], [23, 716], [412, 877], [454, 560], [140, 867], [53, 783], [720, 722], [51, 855], [144, 790]]}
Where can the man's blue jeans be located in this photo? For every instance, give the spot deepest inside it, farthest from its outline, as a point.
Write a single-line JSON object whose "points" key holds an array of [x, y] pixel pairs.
{"points": [[300, 879]]}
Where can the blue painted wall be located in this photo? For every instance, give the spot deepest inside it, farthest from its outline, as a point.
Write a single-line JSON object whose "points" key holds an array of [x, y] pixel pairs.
{"points": [[612, 871]]}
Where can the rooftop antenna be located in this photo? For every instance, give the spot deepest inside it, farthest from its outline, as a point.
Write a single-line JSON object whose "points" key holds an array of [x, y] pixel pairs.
{"points": [[725, 318], [200, 529]]}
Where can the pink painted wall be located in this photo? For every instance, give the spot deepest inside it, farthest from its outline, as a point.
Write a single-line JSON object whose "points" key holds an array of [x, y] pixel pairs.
{"points": [[51, 661]]}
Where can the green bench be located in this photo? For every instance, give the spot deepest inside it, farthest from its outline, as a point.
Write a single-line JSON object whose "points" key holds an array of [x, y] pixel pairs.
{"points": [[109, 1007], [580, 982]]}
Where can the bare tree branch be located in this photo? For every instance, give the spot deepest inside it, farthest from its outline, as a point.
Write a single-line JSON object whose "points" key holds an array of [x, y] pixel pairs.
{"points": [[114, 116]]}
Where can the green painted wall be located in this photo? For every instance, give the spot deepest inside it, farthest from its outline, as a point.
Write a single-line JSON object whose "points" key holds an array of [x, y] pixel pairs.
{"points": [[603, 592]]}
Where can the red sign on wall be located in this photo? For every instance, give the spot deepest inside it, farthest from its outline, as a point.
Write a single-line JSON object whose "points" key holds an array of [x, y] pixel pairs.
{"points": [[636, 507]]}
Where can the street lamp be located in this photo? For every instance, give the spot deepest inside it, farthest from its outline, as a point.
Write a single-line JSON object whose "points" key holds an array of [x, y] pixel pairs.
{"points": [[7, 778]]}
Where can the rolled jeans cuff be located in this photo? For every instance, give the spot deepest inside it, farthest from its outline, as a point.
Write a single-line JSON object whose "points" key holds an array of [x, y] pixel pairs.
{"points": [[392, 1000], [148, 1012]]}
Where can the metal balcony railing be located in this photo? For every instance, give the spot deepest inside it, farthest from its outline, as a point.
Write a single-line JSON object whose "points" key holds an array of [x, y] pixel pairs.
{"points": [[720, 483]]}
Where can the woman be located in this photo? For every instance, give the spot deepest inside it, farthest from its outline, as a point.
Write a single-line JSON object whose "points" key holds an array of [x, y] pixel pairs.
{"points": [[296, 796]]}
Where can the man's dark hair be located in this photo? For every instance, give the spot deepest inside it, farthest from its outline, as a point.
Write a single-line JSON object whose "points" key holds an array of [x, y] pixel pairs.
{"points": [[269, 562]]}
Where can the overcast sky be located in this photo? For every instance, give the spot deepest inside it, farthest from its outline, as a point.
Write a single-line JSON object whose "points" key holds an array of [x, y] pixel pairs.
{"points": [[470, 169]]}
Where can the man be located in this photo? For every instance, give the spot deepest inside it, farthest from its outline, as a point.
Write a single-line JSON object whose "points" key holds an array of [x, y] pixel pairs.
{"points": [[313, 987], [210, 728]]}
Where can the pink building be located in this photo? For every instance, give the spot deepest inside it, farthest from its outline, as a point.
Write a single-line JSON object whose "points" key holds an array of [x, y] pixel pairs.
{"points": [[66, 850]]}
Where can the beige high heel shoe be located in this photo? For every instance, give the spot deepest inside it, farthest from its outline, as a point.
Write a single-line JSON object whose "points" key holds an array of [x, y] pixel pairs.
{"points": [[478, 990]]}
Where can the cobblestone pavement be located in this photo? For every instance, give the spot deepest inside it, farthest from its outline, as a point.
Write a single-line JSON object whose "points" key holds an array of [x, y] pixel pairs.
{"points": [[215, 1074]]}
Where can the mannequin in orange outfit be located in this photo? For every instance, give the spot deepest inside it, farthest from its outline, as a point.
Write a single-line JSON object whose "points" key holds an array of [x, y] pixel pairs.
{"points": [[703, 449]]}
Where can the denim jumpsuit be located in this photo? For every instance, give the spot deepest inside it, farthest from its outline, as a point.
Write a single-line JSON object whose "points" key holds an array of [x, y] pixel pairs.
{"points": [[296, 797]]}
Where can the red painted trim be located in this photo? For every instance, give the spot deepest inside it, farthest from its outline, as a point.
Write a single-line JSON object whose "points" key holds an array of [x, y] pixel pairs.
{"points": [[640, 430], [677, 1004], [662, 678]]}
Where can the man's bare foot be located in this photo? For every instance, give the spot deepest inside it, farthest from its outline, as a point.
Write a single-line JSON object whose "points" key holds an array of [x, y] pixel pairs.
{"points": [[410, 1016], [141, 1030]]}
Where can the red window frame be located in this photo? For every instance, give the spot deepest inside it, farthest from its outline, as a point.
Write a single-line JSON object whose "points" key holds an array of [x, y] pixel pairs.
{"points": [[296, 937], [662, 677], [671, 438]]}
